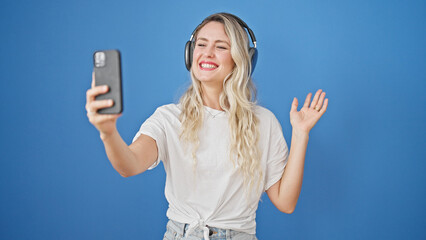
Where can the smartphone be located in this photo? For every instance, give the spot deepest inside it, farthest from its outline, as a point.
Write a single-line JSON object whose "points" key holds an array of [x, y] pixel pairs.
{"points": [[107, 68]]}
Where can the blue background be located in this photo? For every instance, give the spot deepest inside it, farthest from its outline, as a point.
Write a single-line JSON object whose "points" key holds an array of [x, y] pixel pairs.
{"points": [[365, 165]]}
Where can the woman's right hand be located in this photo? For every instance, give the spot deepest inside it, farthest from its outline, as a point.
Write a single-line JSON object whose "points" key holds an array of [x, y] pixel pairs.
{"points": [[105, 123]]}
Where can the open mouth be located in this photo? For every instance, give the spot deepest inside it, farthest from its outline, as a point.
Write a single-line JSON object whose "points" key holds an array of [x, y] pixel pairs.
{"points": [[208, 66]]}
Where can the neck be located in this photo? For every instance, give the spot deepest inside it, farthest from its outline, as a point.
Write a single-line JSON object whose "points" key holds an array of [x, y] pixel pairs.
{"points": [[211, 96]]}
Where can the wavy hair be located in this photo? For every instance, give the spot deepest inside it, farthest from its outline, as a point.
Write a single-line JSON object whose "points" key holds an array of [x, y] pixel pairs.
{"points": [[237, 99]]}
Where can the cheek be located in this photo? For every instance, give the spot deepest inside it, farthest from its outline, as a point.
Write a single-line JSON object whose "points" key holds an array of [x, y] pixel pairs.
{"points": [[195, 53], [229, 61]]}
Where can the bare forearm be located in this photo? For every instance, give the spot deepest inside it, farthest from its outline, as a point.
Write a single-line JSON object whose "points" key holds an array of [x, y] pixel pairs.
{"points": [[291, 182], [285, 193], [119, 154]]}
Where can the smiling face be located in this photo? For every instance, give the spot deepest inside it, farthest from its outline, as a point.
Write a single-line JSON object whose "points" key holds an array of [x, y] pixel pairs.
{"points": [[212, 60]]}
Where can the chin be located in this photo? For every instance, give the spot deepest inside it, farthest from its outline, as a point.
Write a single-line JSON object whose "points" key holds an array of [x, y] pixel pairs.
{"points": [[208, 77], [205, 78]]}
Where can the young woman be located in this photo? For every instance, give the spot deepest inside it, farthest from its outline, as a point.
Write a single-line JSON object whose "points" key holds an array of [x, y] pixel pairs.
{"points": [[219, 149]]}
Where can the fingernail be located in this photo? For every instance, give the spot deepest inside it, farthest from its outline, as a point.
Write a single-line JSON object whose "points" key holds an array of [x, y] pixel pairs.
{"points": [[105, 87]]}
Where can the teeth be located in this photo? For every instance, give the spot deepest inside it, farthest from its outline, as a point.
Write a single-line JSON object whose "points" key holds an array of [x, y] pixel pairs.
{"points": [[206, 65]]}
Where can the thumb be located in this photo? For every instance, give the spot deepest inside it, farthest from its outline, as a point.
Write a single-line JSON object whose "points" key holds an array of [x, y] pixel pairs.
{"points": [[294, 105]]}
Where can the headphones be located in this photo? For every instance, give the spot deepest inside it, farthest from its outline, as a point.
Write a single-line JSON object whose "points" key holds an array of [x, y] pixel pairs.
{"points": [[190, 45]]}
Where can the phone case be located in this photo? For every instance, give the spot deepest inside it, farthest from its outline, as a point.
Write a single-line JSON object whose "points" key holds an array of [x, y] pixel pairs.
{"points": [[107, 68]]}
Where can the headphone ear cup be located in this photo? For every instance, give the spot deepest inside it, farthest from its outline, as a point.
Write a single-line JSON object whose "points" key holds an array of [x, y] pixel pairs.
{"points": [[253, 57], [188, 55]]}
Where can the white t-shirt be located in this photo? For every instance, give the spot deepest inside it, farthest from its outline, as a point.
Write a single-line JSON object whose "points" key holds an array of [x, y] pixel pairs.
{"points": [[213, 194]]}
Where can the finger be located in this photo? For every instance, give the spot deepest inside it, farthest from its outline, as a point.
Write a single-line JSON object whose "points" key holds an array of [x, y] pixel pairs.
{"points": [[316, 97], [93, 79], [294, 105], [106, 117], [95, 91], [102, 118], [113, 116], [96, 105], [324, 107], [307, 100], [320, 101]]}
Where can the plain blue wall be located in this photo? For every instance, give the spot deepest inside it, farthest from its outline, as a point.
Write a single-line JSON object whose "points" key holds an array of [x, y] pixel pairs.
{"points": [[365, 165]]}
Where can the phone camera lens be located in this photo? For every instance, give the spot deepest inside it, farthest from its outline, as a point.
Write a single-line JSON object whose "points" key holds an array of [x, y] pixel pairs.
{"points": [[100, 59]]}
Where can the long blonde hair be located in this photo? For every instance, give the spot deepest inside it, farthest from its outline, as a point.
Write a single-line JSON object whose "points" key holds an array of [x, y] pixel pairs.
{"points": [[237, 99]]}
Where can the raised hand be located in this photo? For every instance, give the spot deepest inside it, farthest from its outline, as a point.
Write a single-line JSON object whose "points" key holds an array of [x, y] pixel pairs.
{"points": [[105, 123], [305, 119]]}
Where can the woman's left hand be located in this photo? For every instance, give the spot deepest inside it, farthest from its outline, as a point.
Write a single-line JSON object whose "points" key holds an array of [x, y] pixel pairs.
{"points": [[305, 119]]}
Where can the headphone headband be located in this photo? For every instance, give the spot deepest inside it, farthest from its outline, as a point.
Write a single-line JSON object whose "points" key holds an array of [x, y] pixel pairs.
{"points": [[239, 20]]}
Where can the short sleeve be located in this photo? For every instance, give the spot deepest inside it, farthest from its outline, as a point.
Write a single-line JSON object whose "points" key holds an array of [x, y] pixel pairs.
{"points": [[277, 154], [154, 128]]}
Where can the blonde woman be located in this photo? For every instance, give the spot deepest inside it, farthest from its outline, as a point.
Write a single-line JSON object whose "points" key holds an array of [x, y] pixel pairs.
{"points": [[219, 149]]}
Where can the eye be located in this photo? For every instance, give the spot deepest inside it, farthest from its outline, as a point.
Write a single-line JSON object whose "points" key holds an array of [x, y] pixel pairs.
{"points": [[222, 47], [201, 44]]}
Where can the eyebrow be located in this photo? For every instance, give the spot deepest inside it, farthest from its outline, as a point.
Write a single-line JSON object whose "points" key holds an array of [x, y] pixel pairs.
{"points": [[219, 41]]}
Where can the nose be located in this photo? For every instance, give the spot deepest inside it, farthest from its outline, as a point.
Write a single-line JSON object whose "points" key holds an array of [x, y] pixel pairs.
{"points": [[209, 51]]}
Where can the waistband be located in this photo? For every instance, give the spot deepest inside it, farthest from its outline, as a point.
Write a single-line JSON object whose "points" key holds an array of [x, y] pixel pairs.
{"points": [[205, 232]]}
